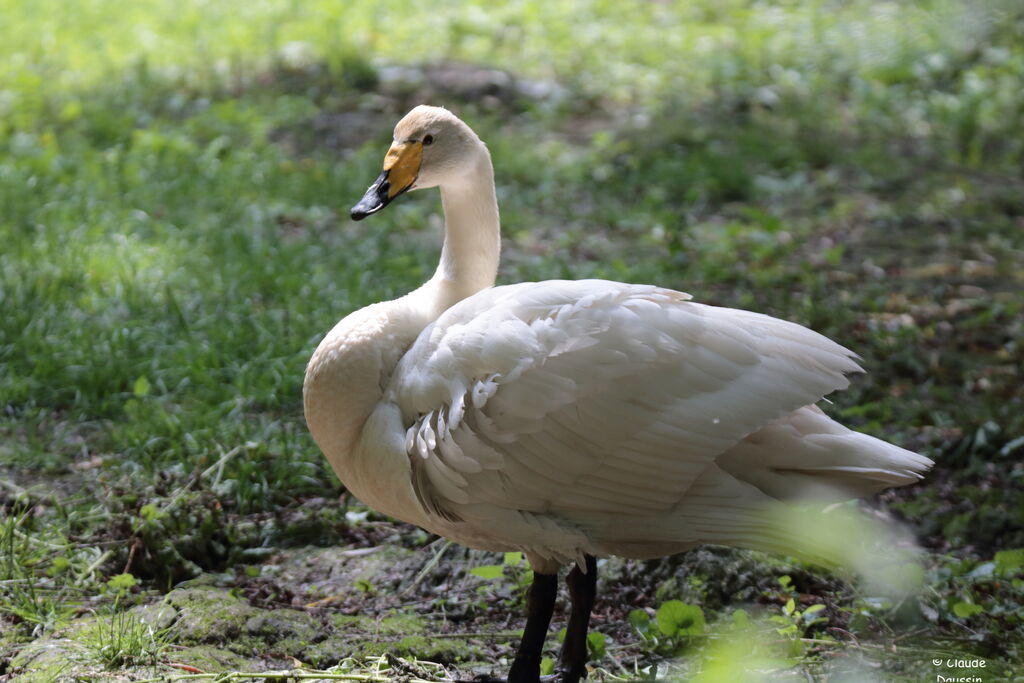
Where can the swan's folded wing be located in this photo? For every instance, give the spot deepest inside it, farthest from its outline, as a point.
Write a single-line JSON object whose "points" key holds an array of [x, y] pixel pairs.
{"points": [[593, 396]]}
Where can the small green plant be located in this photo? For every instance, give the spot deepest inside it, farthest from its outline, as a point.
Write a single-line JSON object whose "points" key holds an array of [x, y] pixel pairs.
{"points": [[744, 649], [676, 618], [988, 593], [1010, 564], [964, 609], [514, 567], [794, 623], [510, 561], [124, 640], [547, 666], [120, 585], [29, 591], [674, 625]]}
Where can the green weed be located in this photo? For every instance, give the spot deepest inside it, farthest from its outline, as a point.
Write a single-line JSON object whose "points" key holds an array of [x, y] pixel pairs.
{"points": [[124, 640], [34, 589]]}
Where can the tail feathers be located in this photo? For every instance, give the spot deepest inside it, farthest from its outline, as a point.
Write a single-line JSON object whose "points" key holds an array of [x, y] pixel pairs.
{"points": [[723, 510], [726, 511], [807, 456]]}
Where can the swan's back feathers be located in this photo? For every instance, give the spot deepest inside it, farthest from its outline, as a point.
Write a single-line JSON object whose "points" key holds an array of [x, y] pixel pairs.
{"points": [[585, 399]]}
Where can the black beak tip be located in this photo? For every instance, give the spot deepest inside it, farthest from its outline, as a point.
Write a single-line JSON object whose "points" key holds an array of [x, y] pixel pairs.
{"points": [[375, 199], [371, 203]]}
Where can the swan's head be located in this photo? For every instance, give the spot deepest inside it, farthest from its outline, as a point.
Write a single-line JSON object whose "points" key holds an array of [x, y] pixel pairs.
{"points": [[431, 147]]}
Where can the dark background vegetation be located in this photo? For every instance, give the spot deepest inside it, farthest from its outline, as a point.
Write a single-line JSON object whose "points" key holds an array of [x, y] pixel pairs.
{"points": [[174, 185]]}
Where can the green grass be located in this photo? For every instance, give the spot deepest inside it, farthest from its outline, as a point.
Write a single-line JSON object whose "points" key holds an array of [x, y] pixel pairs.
{"points": [[29, 594], [174, 185], [123, 640]]}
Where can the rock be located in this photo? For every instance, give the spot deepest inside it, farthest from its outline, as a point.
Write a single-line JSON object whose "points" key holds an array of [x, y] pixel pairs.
{"points": [[285, 632], [47, 659], [211, 615], [327, 572]]}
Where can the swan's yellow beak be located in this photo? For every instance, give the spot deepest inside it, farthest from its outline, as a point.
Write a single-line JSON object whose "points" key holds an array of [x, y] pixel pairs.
{"points": [[401, 166]]}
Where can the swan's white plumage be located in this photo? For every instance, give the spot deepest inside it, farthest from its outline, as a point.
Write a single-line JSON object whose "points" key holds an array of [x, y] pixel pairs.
{"points": [[591, 400], [588, 417]]}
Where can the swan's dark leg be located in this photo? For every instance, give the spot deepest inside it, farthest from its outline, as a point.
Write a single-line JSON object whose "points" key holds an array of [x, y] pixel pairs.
{"points": [[572, 664], [540, 605]]}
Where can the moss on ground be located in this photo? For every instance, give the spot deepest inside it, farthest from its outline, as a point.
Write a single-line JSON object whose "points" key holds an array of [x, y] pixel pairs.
{"points": [[402, 635], [215, 630]]}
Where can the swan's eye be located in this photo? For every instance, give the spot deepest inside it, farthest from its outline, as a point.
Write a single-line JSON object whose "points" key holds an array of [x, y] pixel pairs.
{"points": [[428, 140]]}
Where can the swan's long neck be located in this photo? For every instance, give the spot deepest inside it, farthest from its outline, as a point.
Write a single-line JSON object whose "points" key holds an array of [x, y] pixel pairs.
{"points": [[472, 235], [348, 372]]}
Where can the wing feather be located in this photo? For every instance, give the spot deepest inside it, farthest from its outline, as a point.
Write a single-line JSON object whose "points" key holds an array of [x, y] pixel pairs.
{"points": [[596, 396]]}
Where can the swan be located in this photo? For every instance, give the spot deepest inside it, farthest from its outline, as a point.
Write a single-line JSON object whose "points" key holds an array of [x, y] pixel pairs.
{"points": [[572, 420]]}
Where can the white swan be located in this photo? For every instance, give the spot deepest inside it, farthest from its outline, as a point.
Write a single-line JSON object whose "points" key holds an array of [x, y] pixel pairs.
{"points": [[570, 420]]}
